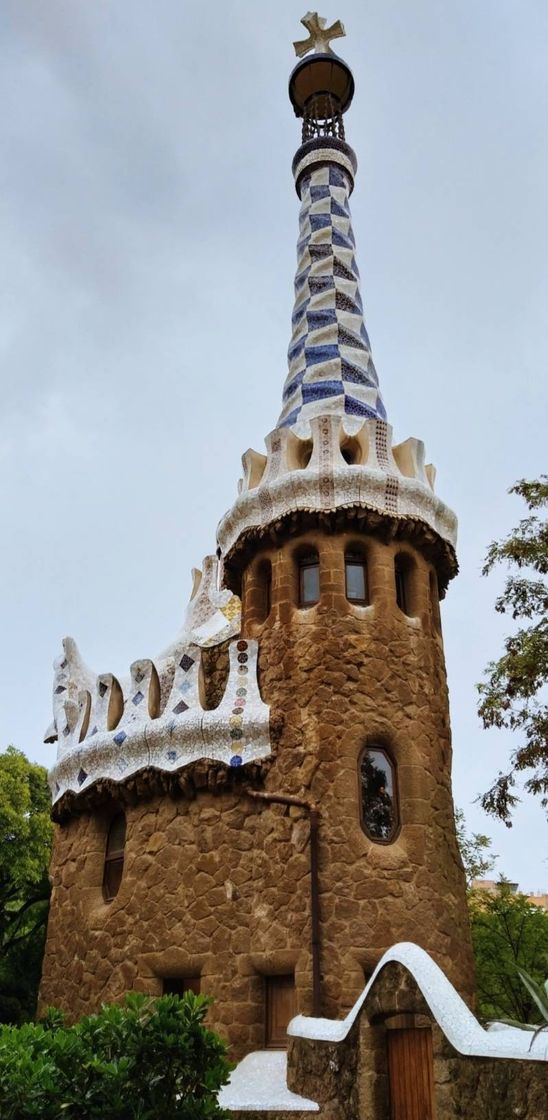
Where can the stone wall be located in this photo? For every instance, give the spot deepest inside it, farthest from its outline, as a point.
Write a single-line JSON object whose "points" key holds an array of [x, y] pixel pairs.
{"points": [[220, 884], [343, 676]]}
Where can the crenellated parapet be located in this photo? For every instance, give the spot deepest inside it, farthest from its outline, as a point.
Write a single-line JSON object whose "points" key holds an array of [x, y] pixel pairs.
{"points": [[333, 463], [157, 716]]}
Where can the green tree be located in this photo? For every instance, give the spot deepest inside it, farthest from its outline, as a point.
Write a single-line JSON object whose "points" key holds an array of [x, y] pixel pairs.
{"points": [[514, 693], [25, 846], [508, 932], [475, 850], [144, 1060]]}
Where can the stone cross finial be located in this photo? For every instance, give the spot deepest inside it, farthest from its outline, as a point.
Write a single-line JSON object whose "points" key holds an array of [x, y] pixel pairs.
{"points": [[319, 35]]}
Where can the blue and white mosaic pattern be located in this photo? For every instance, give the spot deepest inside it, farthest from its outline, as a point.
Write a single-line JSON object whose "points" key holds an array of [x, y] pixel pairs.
{"points": [[330, 363]]}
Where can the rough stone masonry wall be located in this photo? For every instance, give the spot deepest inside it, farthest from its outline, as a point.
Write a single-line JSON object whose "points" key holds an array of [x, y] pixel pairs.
{"points": [[344, 675], [220, 884]]}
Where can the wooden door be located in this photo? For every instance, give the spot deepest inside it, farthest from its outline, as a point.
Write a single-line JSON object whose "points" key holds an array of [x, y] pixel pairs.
{"points": [[411, 1073], [280, 1007]]}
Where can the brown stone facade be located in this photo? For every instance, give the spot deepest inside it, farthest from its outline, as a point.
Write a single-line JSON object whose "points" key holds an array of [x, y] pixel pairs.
{"points": [[219, 883]]}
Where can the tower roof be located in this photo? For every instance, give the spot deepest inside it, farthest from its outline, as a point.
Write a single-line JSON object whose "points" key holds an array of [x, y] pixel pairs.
{"points": [[331, 453]]}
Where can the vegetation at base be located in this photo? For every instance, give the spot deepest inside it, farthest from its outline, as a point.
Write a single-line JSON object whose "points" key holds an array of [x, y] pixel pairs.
{"points": [[143, 1060], [25, 847], [509, 934], [514, 694]]}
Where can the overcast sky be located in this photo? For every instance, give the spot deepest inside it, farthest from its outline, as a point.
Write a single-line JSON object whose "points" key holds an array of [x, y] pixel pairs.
{"points": [[148, 231]]}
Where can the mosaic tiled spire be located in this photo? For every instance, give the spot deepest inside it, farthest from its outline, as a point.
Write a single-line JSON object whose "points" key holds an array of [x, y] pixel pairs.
{"points": [[330, 364]]}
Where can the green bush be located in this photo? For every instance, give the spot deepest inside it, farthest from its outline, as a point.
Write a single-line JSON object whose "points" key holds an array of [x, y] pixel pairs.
{"points": [[144, 1060]]}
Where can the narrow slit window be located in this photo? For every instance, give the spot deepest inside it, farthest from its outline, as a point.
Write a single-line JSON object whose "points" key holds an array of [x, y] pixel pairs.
{"points": [[114, 857], [435, 601], [356, 579], [378, 795], [309, 580], [402, 575], [266, 574]]}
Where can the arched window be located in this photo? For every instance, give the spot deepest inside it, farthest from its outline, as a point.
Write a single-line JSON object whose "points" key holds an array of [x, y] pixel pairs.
{"points": [[378, 794], [403, 576], [309, 578], [355, 567], [114, 857]]}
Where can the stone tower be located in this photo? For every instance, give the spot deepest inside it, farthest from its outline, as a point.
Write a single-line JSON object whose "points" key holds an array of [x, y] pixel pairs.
{"points": [[265, 808]]}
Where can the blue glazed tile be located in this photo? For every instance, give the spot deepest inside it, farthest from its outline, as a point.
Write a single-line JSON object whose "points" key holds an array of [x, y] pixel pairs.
{"points": [[317, 390], [137, 699], [186, 662], [236, 760], [322, 318], [315, 354], [119, 738], [352, 407], [81, 777]]}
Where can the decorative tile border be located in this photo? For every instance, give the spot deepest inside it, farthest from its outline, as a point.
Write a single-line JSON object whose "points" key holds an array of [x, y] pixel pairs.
{"points": [[388, 479], [235, 733]]}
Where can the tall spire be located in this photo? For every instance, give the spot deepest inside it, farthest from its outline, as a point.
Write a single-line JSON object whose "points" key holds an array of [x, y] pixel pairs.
{"points": [[331, 369]]}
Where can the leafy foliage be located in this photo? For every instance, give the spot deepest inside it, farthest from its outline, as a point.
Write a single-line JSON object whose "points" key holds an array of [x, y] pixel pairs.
{"points": [[144, 1060], [25, 846], [513, 696], [475, 851], [509, 933]]}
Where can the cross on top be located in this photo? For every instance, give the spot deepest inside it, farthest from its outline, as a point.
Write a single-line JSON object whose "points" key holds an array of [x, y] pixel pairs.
{"points": [[319, 35]]}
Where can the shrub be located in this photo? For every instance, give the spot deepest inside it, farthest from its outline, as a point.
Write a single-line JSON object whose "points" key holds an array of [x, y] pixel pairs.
{"points": [[142, 1060]]}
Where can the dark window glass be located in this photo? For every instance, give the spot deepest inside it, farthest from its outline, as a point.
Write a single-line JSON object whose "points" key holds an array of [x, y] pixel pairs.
{"points": [[401, 574], [114, 857], [378, 795], [178, 985], [309, 581], [356, 579]]}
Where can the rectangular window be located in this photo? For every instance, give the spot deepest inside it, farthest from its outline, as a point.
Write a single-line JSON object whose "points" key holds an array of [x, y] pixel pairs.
{"points": [[356, 581], [401, 588], [280, 1007], [114, 867], [309, 583], [178, 985]]}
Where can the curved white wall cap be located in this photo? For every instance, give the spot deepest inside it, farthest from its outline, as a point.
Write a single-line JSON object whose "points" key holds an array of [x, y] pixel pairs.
{"points": [[110, 728], [457, 1022], [305, 469]]}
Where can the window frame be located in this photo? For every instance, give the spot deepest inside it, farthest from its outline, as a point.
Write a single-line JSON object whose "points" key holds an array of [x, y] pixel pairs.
{"points": [[396, 828], [305, 562], [356, 559], [404, 577], [114, 858]]}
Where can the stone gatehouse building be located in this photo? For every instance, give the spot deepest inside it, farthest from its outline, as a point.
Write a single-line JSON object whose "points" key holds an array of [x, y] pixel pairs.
{"points": [[264, 809]]}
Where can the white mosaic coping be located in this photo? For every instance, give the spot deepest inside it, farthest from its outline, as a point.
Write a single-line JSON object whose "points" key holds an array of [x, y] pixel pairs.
{"points": [[259, 1083], [457, 1022], [389, 479], [110, 728]]}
